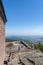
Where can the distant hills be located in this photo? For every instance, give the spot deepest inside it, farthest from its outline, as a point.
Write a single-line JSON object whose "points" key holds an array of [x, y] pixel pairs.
{"points": [[28, 39]]}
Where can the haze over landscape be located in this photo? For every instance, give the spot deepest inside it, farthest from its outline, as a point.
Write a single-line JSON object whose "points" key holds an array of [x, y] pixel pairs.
{"points": [[24, 17]]}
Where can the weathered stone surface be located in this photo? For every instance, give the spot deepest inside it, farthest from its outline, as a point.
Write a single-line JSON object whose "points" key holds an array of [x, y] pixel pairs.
{"points": [[30, 57], [2, 33], [2, 41]]}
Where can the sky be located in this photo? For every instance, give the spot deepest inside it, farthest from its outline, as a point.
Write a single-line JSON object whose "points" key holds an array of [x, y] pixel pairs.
{"points": [[24, 17]]}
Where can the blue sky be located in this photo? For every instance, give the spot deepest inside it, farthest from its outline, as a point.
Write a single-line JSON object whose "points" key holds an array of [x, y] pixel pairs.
{"points": [[24, 17]]}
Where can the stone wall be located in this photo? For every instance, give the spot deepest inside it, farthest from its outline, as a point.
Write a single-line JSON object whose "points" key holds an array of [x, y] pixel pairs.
{"points": [[2, 41]]}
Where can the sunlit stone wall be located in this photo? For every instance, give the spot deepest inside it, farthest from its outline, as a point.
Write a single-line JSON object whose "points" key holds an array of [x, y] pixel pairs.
{"points": [[2, 41]]}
